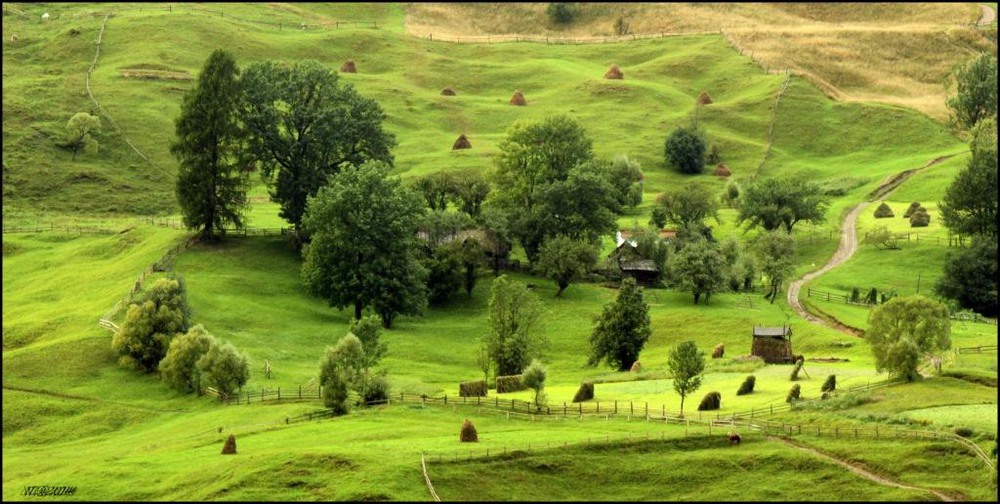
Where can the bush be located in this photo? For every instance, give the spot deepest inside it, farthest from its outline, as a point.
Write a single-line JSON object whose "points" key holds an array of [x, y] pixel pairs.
{"points": [[883, 211], [912, 208], [376, 390], [965, 432], [177, 369], [920, 218], [711, 401], [718, 351], [747, 386], [685, 150], [584, 393], [796, 369], [830, 384], [472, 389], [793, 394], [468, 433], [561, 12], [509, 383], [223, 368], [621, 26]]}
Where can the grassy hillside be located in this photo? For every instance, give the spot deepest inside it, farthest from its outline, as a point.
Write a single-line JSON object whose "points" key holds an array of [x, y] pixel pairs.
{"points": [[72, 416]]}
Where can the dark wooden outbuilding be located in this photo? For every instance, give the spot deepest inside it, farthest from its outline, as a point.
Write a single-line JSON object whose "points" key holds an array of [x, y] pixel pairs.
{"points": [[773, 344]]}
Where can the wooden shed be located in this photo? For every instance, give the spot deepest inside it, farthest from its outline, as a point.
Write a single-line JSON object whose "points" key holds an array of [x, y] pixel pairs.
{"points": [[773, 344]]}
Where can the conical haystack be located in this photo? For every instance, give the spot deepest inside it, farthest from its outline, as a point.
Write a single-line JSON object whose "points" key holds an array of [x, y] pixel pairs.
{"points": [[468, 434], [349, 67], [636, 367], [518, 99], [461, 143], [448, 92], [704, 99], [614, 73], [230, 447], [722, 171]]}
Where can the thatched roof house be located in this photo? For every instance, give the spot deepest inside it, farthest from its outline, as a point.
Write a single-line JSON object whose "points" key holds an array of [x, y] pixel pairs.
{"points": [[773, 344]]}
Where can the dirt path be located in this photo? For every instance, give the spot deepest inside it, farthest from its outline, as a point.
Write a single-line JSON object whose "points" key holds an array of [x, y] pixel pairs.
{"points": [[848, 246], [988, 15], [862, 472]]}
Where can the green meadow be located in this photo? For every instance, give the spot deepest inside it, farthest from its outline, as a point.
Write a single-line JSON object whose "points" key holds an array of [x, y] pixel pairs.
{"points": [[72, 416]]}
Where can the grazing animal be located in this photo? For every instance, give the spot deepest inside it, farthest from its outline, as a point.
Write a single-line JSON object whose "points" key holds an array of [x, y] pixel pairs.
{"points": [[734, 438]]}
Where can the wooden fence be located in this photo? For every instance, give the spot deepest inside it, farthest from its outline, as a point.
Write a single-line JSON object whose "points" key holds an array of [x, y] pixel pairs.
{"points": [[914, 237], [64, 229], [978, 349]]}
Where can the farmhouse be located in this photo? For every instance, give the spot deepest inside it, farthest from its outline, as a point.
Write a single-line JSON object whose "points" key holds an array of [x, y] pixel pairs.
{"points": [[773, 344]]}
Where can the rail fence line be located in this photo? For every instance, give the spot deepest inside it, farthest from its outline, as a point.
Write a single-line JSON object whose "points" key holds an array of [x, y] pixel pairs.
{"points": [[951, 240], [541, 39], [978, 349], [301, 24], [847, 299]]}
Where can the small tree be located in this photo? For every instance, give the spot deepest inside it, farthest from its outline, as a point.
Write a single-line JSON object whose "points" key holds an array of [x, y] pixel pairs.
{"points": [[976, 94], [622, 329], [150, 324], [881, 238], [179, 367], [627, 179], [685, 150], [341, 371], [775, 251], [564, 259], [686, 364], [621, 26], [513, 338], [223, 368], [561, 12], [698, 268], [80, 131], [367, 330], [903, 329], [533, 377]]}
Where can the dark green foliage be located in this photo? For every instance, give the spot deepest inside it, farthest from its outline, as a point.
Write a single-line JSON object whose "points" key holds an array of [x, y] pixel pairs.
{"points": [[445, 273], [211, 185], [793, 393], [731, 194], [905, 329], [920, 218], [830, 384], [711, 401], [965, 432], [561, 12], [476, 388], [740, 267], [658, 217], [469, 190], [510, 383], [775, 252], [376, 389], [781, 202], [436, 189], [223, 368], [626, 177], [513, 336], [970, 276], [912, 208], [302, 126], [370, 257], [976, 94], [855, 295], [883, 211], [161, 313], [686, 364], [872, 297], [685, 150], [796, 369], [622, 329], [969, 206], [178, 368], [698, 268], [882, 238], [584, 393], [747, 386], [564, 259]]}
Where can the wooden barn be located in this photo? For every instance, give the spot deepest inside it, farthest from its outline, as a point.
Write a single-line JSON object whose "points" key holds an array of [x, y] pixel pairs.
{"points": [[631, 264], [773, 344]]}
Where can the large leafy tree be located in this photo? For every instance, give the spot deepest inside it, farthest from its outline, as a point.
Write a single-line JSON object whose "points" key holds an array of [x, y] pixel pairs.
{"points": [[903, 330], [970, 276], [223, 368], [781, 203], [564, 259], [685, 150], [513, 335], [211, 186], [686, 364], [303, 126], [365, 250], [970, 202], [976, 94], [775, 252], [178, 368], [80, 131], [151, 324], [698, 268], [622, 329], [688, 207]]}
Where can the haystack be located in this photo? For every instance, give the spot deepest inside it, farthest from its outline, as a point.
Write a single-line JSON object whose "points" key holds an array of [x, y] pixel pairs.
{"points": [[349, 67], [468, 434], [704, 99], [448, 92], [722, 171], [636, 367], [718, 351], [584, 393], [518, 99], [461, 143], [230, 447], [614, 73]]}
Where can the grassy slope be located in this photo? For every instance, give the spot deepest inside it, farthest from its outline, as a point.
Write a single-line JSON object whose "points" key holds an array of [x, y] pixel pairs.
{"points": [[45, 434]]}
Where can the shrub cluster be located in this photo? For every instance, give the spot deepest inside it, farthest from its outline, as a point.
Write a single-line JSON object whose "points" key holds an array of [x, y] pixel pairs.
{"points": [[747, 386], [584, 393], [509, 383], [472, 389], [711, 401]]}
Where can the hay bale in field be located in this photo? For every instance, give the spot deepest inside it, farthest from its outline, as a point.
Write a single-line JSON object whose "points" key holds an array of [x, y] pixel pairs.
{"points": [[614, 73], [461, 143], [509, 383], [472, 389], [584, 393], [636, 367], [718, 351], [722, 171], [912, 208], [518, 99], [230, 447], [883, 211], [711, 401], [920, 218], [448, 92], [468, 434], [704, 99], [349, 67]]}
